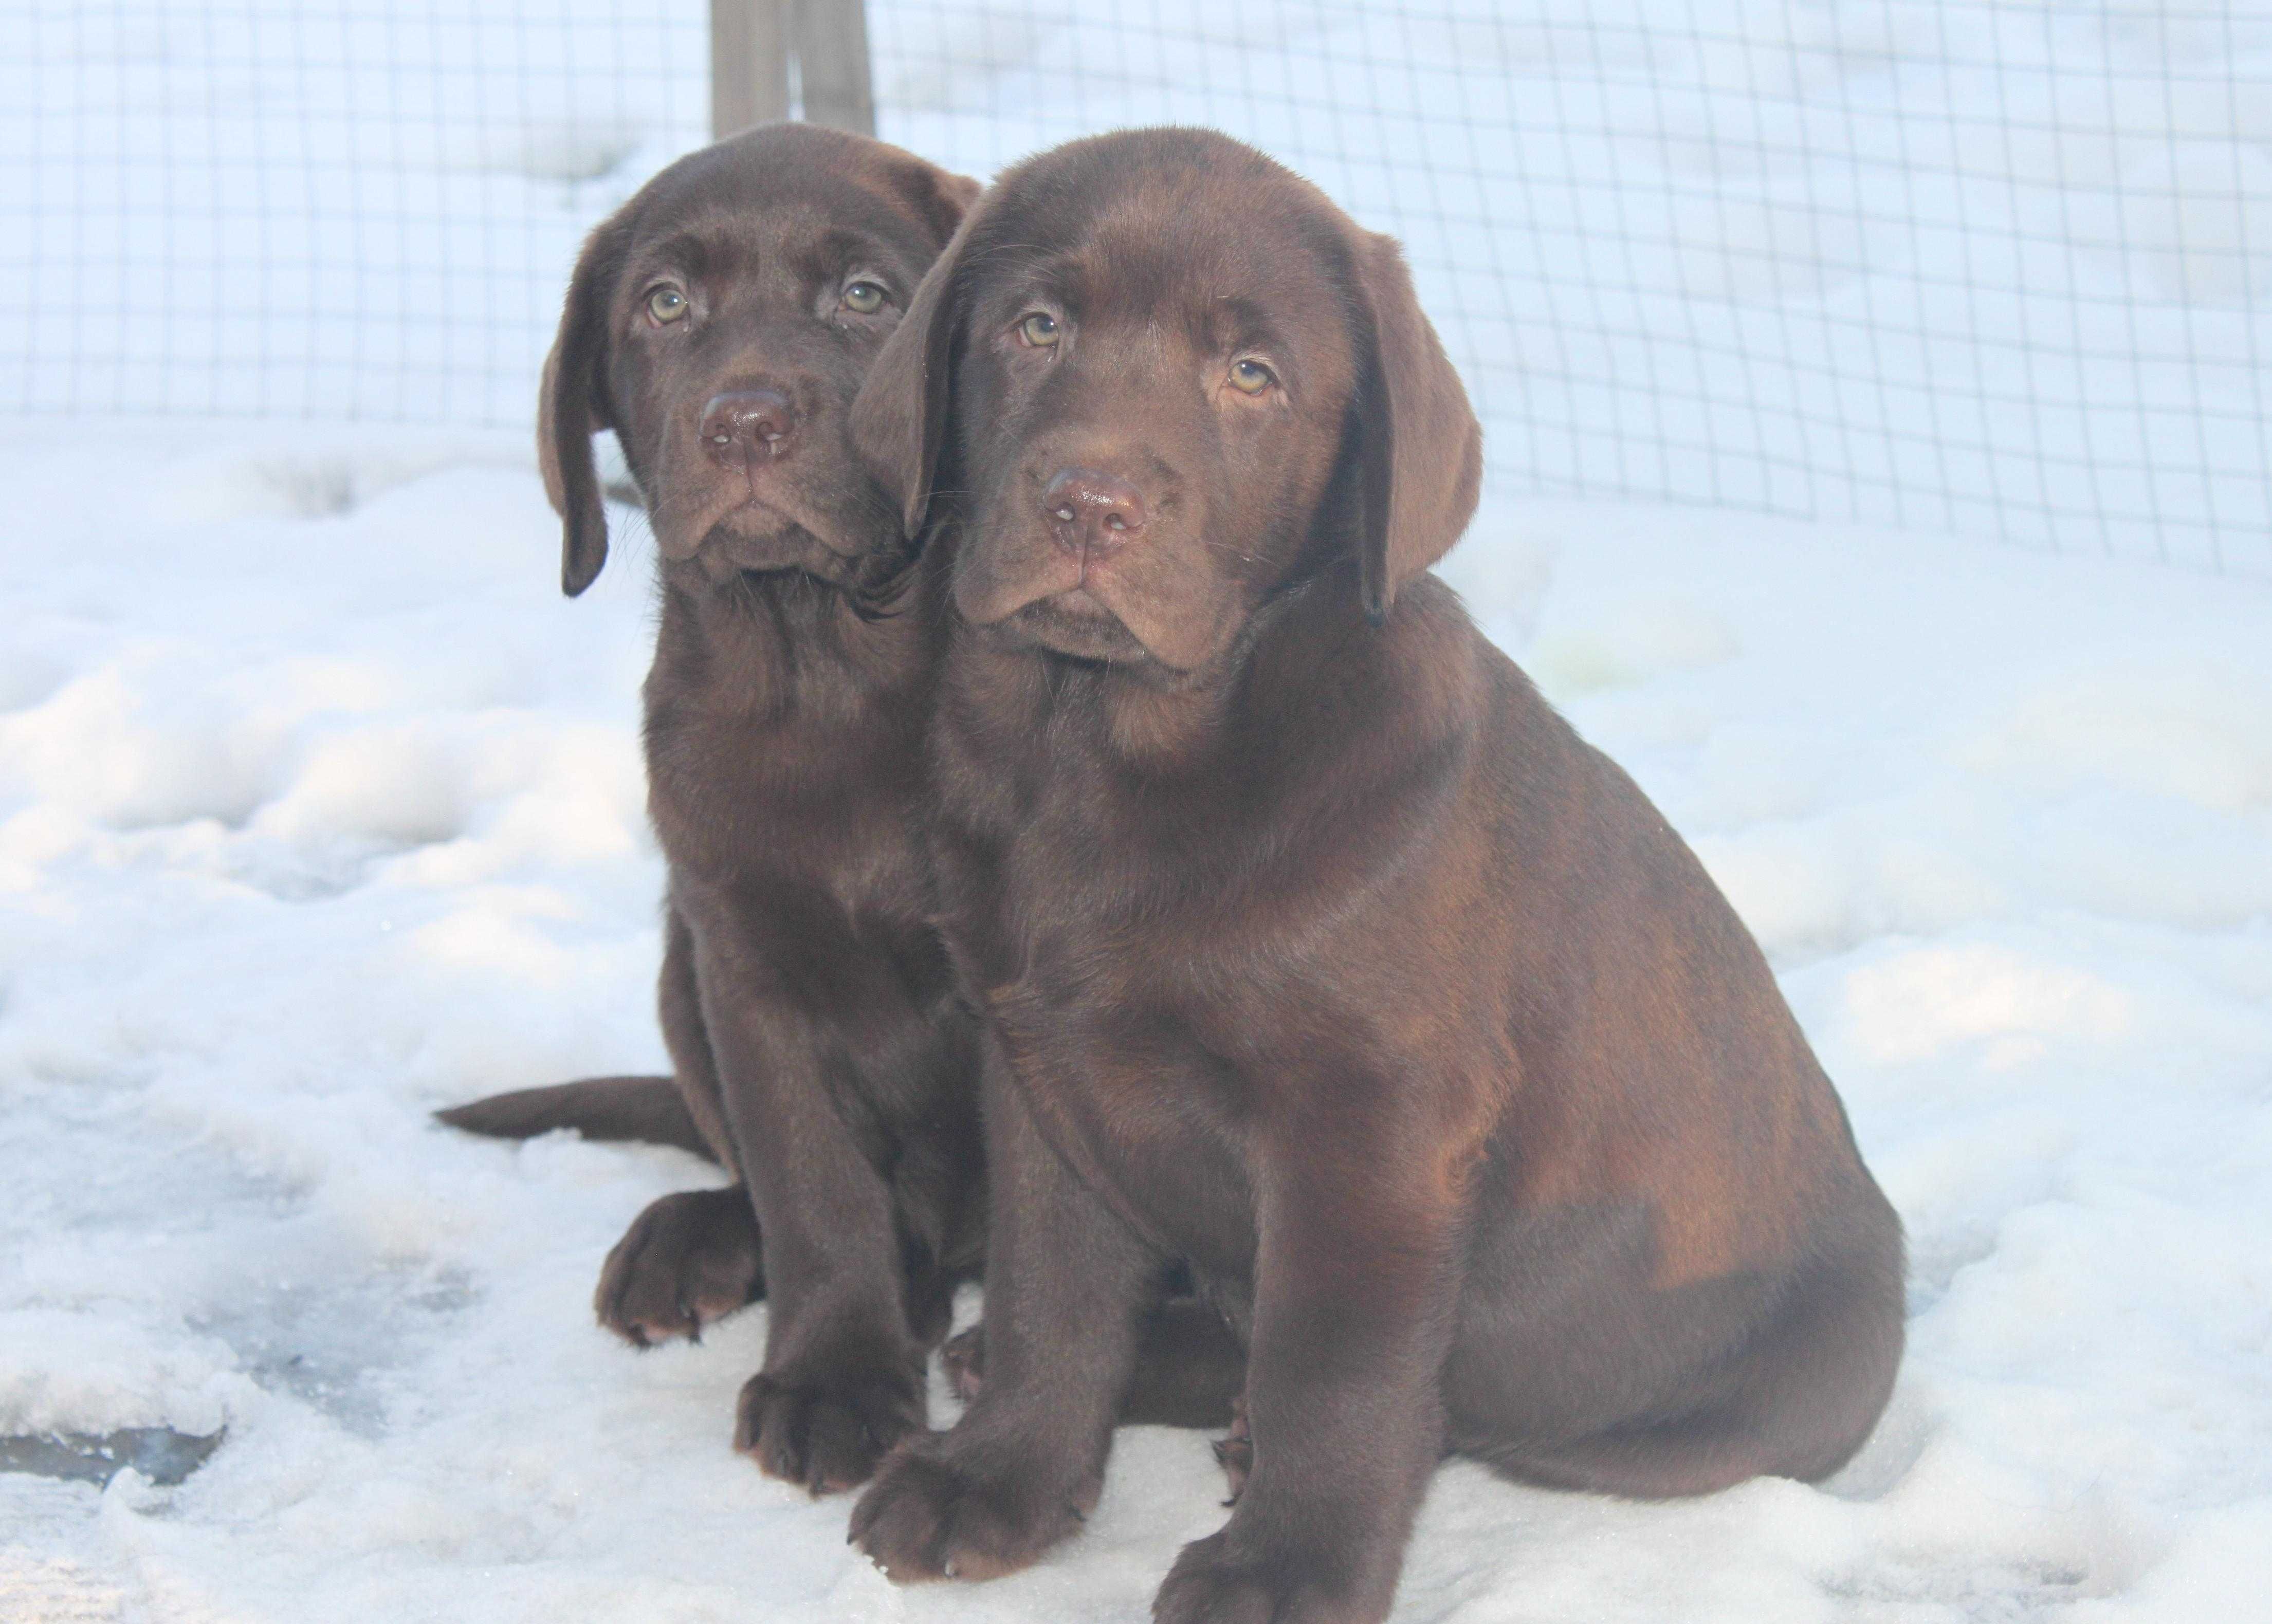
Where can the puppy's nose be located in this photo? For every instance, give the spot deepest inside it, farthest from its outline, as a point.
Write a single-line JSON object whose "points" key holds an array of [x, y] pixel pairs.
{"points": [[1088, 508], [743, 421]]}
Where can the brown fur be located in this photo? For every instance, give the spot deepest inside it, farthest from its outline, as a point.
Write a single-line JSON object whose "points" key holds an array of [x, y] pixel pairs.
{"points": [[820, 1052], [1317, 951], [643, 1110]]}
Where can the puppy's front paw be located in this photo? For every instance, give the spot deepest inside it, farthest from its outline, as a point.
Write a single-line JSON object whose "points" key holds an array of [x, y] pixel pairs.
{"points": [[826, 1433], [1215, 1583], [942, 1509], [687, 1259]]}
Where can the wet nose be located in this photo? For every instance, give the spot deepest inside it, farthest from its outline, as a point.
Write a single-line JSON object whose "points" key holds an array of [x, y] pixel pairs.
{"points": [[745, 422], [1088, 508]]}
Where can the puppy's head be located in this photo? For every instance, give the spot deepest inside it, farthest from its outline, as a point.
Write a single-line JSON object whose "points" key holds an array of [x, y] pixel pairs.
{"points": [[1170, 377], [720, 323]]}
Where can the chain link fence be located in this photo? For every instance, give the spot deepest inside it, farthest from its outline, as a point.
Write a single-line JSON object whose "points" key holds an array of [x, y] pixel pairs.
{"points": [[1974, 265]]}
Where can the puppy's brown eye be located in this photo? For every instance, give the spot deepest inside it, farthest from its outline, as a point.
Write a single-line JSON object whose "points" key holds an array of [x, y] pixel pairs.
{"points": [[863, 298], [1039, 330], [1249, 377], [666, 304]]}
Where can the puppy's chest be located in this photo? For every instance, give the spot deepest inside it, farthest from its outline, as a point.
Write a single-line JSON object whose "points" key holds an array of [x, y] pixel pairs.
{"points": [[1153, 1001], [1139, 1069], [1121, 930], [729, 793]]}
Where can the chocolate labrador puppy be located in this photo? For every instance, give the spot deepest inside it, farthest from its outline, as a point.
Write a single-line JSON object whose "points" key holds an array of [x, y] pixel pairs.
{"points": [[720, 325], [1316, 948]]}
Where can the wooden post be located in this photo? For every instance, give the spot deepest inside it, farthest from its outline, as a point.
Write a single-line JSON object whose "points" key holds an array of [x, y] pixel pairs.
{"points": [[831, 60], [749, 64]]}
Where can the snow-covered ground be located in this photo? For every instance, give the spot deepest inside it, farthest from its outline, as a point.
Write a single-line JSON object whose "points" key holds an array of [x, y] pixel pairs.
{"points": [[319, 808]]}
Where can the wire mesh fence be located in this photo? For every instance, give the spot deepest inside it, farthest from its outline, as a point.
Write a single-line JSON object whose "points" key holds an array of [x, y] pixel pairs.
{"points": [[1978, 266], [287, 207]]}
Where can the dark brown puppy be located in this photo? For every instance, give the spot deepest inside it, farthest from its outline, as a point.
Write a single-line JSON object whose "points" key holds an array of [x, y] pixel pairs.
{"points": [[1317, 948], [720, 325]]}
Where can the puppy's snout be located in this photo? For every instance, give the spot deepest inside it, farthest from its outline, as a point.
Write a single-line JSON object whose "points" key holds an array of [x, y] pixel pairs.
{"points": [[746, 422], [1089, 508]]}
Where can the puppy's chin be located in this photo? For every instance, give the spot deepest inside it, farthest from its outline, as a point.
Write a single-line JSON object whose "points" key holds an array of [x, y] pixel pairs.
{"points": [[1038, 597], [1073, 623], [1059, 610], [754, 536]]}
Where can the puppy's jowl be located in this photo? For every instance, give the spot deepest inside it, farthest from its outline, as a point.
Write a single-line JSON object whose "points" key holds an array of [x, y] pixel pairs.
{"points": [[720, 325], [1318, 954]]}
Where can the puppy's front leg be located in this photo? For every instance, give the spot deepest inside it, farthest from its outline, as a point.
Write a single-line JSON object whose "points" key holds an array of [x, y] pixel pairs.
{"points": [[1067, 1286], [842, 1381], [1356, 1285]]}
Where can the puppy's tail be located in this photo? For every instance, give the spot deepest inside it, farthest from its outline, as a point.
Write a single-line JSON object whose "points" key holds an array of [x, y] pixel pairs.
{"points": [[640, 1110]]}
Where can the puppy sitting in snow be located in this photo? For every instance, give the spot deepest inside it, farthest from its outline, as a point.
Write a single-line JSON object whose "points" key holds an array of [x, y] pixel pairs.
{"points": [[720, 323], [1317, 951]]}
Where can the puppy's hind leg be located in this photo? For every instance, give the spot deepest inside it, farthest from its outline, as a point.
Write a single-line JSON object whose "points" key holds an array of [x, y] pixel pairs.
{"points": [[1798, 1402], [688, 1259], [694, 1256], [1190, 1368]]}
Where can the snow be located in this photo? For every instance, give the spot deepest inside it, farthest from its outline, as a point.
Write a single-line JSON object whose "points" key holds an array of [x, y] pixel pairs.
{"points": [[319, 808], [315, 817]]}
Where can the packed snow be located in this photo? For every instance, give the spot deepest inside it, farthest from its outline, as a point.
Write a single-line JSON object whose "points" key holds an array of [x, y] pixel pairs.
{"points": [[320, 809]]}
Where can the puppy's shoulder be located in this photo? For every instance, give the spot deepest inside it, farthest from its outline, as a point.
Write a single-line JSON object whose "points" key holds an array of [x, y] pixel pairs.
{"points": [[1428, 671]]}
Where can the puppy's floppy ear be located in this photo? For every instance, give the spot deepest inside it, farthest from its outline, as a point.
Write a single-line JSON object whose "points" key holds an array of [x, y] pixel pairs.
{"points": [[899, 421], [571, 407], [547, 455], [941, 196], [1421, 445]]}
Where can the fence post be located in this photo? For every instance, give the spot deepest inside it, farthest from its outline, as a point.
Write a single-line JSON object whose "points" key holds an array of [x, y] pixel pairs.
{"points": [[750, 44], [831, 60], [749, 64]]}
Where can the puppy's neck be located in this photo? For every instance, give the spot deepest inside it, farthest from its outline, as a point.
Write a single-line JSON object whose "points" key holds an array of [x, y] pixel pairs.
{"points": [[1311, 689], [1164, 729], [1163, 724], [778, 642]]}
